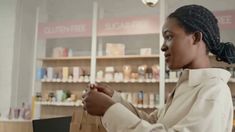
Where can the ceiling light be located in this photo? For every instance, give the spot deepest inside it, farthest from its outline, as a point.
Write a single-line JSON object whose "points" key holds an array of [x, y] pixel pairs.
{"points": [[150, 3]]}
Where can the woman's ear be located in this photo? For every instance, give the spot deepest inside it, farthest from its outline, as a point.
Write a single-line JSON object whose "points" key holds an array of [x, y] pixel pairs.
{"points": [[197, 37]]}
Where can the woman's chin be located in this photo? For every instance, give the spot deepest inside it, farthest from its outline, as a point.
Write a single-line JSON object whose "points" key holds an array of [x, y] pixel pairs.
{"points": [[172, 67]]}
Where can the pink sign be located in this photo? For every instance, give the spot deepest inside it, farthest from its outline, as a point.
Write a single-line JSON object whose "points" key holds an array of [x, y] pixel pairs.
{"points": [[118, 26], [106, 27], [129, 26], [226, 19], [64, 29]]}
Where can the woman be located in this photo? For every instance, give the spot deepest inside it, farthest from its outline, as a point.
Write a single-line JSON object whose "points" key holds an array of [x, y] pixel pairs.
{"points": [[201, 101]]}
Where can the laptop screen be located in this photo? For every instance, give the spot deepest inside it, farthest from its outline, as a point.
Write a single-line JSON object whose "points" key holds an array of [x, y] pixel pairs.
{"points": [[59, 124]]}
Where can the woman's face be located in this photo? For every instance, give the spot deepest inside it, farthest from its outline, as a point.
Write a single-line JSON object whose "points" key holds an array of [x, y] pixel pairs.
{"points": [[179, 47]]}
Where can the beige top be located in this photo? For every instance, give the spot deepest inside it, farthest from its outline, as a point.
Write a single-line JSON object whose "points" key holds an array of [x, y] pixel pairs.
{"points": [[201, 103]]}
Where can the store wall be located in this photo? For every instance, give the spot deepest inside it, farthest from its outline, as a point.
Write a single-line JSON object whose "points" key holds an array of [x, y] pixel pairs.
{"points": [[23, 55], [7, 26], [17, 24]]}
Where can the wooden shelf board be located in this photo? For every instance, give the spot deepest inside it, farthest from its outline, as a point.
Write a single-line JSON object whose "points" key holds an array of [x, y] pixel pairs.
{"points": [[64, 82], [98, 57], [171, 80], [73, 104], [128, 57], [156, 81], [64, 58], [59, 104], [13, 120], [232, 80]]}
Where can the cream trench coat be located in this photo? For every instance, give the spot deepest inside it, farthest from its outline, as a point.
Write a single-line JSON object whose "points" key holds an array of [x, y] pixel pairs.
{"points": [[201, 103]]}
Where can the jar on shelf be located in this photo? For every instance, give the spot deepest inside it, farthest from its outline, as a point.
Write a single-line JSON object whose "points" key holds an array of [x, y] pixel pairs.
{"points": [[134, 76], [109, 73], [140, 98], [51, 97], [149, 73], [126, 72], [99, 75], [142, 71], [38, 96]]}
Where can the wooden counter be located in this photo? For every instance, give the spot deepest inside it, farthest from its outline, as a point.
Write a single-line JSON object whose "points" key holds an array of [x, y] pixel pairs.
{"points": [[15, 126]]}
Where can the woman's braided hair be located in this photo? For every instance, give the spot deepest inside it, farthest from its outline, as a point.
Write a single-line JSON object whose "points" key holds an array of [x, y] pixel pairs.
{"points": [[196, 18]]}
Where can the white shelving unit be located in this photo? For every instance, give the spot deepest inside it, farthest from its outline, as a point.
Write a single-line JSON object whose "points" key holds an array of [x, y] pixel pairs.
{"points": [[91, 62]]}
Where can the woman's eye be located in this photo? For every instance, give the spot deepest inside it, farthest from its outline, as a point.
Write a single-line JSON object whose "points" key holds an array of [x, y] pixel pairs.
{"points": [[168, 37]]}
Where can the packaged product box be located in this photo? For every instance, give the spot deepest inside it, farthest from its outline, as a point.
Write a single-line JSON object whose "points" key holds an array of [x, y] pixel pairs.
{"points": [[116, 49], [145, 51]]}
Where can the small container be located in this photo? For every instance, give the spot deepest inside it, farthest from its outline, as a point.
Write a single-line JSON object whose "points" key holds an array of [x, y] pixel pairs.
{"points": [[157, 99], [73, 97], [129, 97], [118, 76], [38, 96], [140, 98], [142, 71], [151, 100], [65, 52], [172, 75], [49, 74], [99, 75], [51, 95], [76, 73], [16, 113], [149, 73], [10, 114], [70, 53], [127, 72], [135, 99], [109, 74], [156, 72], [146, 100], [134, 76]]}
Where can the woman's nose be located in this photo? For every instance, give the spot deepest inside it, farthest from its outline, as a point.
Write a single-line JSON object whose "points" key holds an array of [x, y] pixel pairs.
{"points": [[164, 47]]}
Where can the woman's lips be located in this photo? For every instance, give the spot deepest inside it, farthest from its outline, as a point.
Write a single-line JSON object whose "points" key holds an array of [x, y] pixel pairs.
{"points": [[167, 56]]}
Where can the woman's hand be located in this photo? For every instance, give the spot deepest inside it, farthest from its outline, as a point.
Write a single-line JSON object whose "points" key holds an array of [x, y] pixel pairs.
{"points": [[97, 103], [102, 88]]}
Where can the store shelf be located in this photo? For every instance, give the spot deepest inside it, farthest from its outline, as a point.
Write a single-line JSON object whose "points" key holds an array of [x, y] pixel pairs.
{"points": [[98, 57], [13, 120], [171, 80], [232, 80], [76, 104], [131, 81], [64, 58], [49, 81], [79, 104], [128, 57], [146, 106]]}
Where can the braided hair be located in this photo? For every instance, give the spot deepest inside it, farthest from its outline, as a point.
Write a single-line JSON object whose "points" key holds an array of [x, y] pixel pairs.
{"points": [[196, 18]]}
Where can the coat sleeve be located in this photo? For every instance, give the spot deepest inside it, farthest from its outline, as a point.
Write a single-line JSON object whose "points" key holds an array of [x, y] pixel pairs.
{"points": [[151, 118], [205, 116]]}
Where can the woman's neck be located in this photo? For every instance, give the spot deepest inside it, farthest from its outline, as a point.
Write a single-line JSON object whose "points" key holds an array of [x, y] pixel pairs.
{"points": [[199, 62]]}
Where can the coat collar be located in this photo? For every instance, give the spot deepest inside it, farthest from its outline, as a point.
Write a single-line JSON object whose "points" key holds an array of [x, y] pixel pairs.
{"points": [[196, 76]]}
